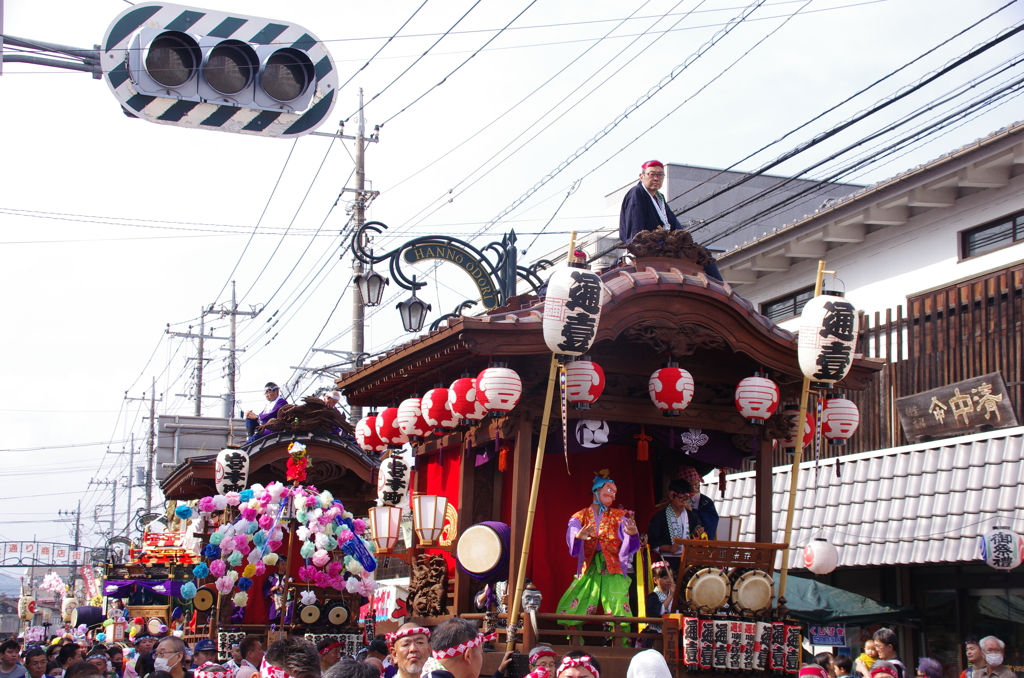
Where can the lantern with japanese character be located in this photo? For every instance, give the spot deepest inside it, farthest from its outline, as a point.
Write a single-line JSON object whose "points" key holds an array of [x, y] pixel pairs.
{"points": [[1002, 548], [410, 419], [387, 428], [231, 470], [584, 383], [572, 310], [757, 398], [498, 389], [791, 413], [671, 389], [828, 334], [462, 396], [839, 420], [26, 608], [437, 411], [366, 434], [820, 557]]}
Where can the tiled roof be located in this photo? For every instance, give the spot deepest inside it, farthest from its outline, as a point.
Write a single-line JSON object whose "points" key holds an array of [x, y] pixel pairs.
{"points": [[924, 503]]}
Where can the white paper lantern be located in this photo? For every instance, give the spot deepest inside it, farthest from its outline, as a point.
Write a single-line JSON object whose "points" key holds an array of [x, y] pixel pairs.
{"points": [[828, 335], [572, 310], [437, 411], [428, 516], [1002, 548], [410, 419], [231, 471], [499, 389], [366, 434], [394, 479], [757, 398], [821, 557], [67, 607], [839, 420], [384, 526], [26, 608], [584, 383]]}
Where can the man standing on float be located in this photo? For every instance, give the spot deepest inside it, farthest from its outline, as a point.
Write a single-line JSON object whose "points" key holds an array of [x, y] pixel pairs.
{"points": [[603, 540]]}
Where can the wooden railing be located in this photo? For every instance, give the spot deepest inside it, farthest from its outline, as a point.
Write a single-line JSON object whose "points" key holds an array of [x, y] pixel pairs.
{"points": [[963, 330]]}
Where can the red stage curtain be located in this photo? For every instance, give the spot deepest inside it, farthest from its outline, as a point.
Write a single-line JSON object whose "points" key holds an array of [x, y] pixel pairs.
{"points": [[562, 495], [443, 480]]}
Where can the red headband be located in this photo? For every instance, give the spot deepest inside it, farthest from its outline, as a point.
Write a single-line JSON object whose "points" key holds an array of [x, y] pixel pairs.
{"points": [[392, 638], [270, 671], [541, 653], [815, 672], [462, 648], [660, 563], [329, 648], [204, 672], [652, 163], [584, 661], [884, 671]]}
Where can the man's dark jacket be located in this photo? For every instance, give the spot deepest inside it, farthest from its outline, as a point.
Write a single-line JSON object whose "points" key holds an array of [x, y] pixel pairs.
{"points": [[639, 214]]}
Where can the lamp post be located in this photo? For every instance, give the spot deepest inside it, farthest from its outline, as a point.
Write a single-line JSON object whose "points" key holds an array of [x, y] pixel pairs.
{"points": [[371, 286], [413, 311]]}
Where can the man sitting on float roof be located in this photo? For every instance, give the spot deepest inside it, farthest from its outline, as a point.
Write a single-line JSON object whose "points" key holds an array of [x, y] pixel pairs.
{"points": [[644, 208]]}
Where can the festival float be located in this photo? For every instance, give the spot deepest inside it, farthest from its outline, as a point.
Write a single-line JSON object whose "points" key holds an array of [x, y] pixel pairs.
{"points": [[649, 370]]}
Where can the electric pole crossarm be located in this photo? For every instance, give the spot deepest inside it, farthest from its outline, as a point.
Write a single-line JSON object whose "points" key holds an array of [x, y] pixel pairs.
{"points": [[196, 336]]}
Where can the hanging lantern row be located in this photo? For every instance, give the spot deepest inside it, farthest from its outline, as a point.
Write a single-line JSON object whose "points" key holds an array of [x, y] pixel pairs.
{"points": [[757, 398], [584, 382], [495, 391]]}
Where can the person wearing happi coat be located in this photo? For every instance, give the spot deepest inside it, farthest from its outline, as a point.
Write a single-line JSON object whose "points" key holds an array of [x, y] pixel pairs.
{"points": [[603, 540]]}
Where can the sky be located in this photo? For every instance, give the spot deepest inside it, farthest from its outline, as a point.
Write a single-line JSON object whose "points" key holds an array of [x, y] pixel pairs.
{"points": [[115, 229]]}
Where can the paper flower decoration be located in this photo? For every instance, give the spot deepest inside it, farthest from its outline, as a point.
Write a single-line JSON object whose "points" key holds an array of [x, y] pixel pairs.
{"points": [[321, 558], [241, 599], [260, 569], [235, 559], [233, 498], [307, 549], [225, 584], [270, 559], [249, 571], [216, 538], [352, 585], [298, 461], [211, 552], [246, 495], [188, 590], [207, 505], [218, 568], [220, 502], [244, 583], [184, 512], [308, 598]]}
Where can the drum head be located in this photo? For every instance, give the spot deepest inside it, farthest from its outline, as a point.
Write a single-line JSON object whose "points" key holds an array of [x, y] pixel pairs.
{"points": [[337, 614], [479, 549], [708, 587], [154, 624], [753, 590], [204, 600], [309, 614]]}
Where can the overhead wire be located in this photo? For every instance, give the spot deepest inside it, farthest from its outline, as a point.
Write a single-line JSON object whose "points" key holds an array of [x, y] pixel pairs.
{"points": [[382, 47]]}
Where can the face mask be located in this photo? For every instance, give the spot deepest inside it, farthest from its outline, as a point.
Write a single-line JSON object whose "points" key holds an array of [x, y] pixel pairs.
{"points": [[162, 664], [994, 658]]}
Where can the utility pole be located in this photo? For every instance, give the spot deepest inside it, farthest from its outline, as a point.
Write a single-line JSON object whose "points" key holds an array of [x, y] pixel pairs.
{"points": [[78, 521], [113, 500], [130, 481], [151, 444], [359, 217], [201, 354], [229, 404]]}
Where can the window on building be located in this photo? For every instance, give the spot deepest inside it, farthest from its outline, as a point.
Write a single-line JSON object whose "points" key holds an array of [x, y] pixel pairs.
{"points": [[992, 236], [787, 306]]}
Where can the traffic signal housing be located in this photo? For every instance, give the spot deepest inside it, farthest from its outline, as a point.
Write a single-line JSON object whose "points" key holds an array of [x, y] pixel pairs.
{"points": [[188, 67]]}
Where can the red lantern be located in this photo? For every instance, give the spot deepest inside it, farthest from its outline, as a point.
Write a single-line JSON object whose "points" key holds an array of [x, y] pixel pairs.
{"points": [[465, 404], [584, 383], [499, 389], [410, 419], [671, 389], [366, 434], [388, 431], [789, 442], [437, 411], [757, 398], [839, 420]]}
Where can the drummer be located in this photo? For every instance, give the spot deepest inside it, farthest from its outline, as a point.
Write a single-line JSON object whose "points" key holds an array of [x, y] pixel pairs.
{"points": [[677, 521]]}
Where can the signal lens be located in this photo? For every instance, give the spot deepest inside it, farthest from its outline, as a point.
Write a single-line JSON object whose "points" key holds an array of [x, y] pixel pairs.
{"points": [[172, 59], [230, 67], [286, 74]]}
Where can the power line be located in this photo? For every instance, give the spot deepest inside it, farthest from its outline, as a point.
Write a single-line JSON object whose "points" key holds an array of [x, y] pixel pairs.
{"points": [[377, 53]]}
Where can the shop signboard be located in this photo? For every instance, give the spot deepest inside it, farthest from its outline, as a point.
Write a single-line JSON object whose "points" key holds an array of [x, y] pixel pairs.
{"points": [[969, 406], [833, 636]]}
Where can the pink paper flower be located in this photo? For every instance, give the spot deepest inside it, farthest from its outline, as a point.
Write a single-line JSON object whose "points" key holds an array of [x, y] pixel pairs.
{"points": [[218, 568], [321, 558], [260, 568], [266, 521], [334, 569], [360, 525], [225, 584], [248, 514], [307, 572], [344, 536], [206, 505], [234, 498], [274, 544]]}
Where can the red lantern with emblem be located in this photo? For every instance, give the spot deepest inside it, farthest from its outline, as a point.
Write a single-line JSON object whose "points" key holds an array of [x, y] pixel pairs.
{"points": [[366, 434], [757, 398], [387, 429], [792, 412], [839, 419], [410, 419], [499, 389], [671, 389], [437, 411], [462, 396], [584, 382]]}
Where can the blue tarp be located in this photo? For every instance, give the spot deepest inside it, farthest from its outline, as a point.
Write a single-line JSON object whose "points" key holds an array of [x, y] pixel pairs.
{"points": [[811, 601]]}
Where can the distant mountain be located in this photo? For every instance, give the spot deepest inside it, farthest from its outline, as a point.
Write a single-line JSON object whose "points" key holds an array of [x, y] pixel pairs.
{"points": [[10, 586]]}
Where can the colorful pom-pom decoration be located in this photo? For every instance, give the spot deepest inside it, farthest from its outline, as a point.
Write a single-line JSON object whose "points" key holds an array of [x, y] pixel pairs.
{"points": [[270, 559], [218, 568], [241, 599], [249, 571], [188, 591], [235, 559], [211, 552], [308, 597], [225, 584], [244, 583], [201, 571], [184, 512], [246, 495]]}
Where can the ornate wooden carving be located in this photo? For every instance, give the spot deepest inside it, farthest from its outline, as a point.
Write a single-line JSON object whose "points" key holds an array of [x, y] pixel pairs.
{"points": [[679, 339], [671, 244], [428, 586]]}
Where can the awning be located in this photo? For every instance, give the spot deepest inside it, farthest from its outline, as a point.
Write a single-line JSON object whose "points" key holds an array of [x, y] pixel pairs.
{"points": [[812, 601]]}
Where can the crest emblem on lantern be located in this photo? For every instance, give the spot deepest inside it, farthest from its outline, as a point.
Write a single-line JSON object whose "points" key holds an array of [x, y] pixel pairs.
{"points": [[591, 433]]}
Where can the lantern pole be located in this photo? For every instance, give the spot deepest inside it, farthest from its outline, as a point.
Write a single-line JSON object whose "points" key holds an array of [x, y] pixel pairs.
{"points": [[801, 421], [538, 465]]}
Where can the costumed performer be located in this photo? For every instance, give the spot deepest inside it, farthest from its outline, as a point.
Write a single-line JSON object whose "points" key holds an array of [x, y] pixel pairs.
{"points": [[274, 403], [274, 588], [603, 540]]}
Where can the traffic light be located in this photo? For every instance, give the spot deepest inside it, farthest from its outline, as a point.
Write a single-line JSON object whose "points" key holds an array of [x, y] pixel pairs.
{"points": [[183, 66]]}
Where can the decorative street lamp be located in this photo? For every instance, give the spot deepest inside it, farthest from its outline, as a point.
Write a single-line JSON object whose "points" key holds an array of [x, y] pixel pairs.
{"points": [[413, 311], [371, 286], [428, 517]]}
